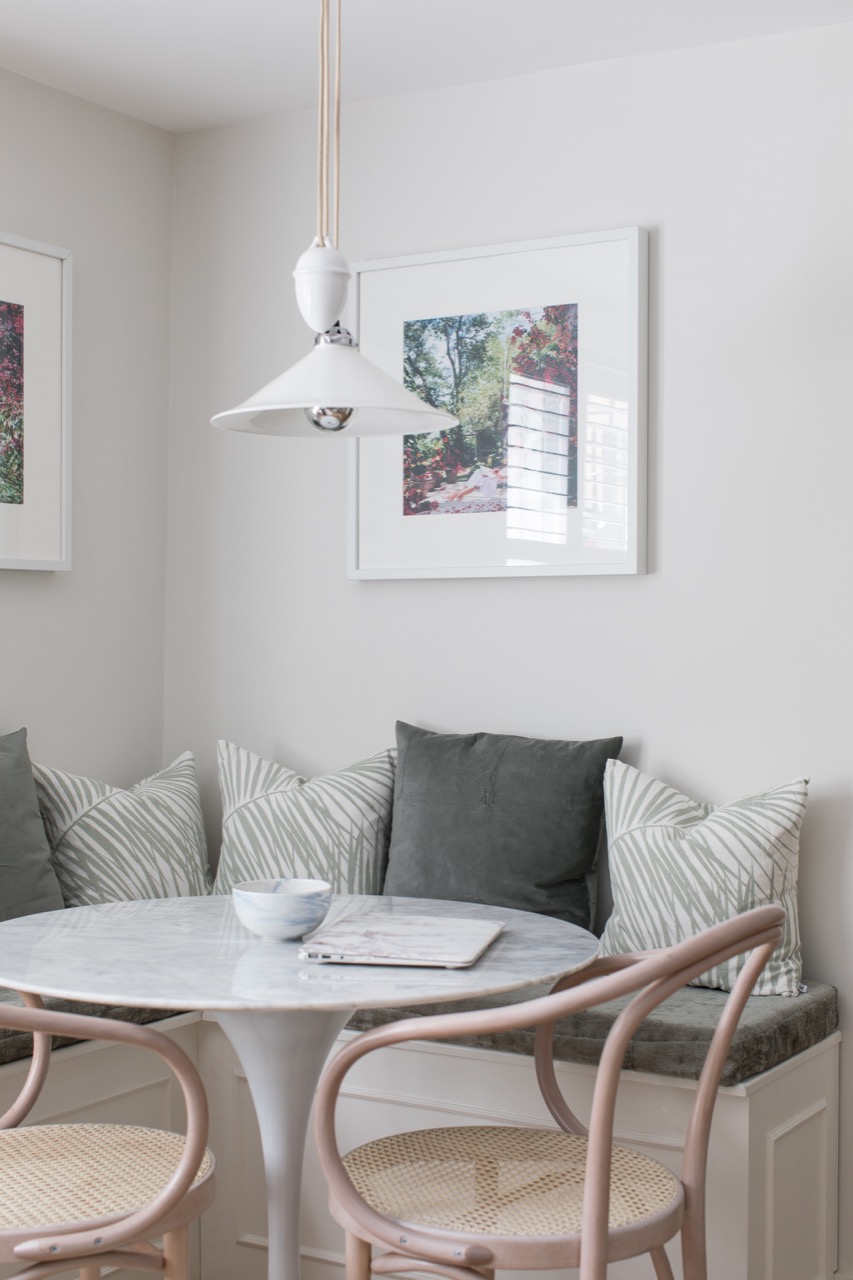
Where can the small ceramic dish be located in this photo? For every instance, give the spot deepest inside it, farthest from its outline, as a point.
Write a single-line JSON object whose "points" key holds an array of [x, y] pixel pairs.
{"points": [[282, 909]]}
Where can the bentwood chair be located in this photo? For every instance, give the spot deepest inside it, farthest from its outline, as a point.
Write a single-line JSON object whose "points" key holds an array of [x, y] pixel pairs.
{"points": [[87, 1196], [462, 1202]]}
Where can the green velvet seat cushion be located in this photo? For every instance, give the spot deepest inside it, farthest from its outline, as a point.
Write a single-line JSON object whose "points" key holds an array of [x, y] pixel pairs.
{"points": [[674, 1040], [28, 882], [15, 1045], [491, 818]]}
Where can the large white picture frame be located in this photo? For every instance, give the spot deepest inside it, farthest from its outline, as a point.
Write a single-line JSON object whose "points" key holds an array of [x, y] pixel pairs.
{"points": [[35, 432], [554, 481]]}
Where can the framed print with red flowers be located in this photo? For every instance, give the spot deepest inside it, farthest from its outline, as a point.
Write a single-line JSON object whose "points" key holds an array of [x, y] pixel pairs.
{"points": [[35, 446], [539, 349]]}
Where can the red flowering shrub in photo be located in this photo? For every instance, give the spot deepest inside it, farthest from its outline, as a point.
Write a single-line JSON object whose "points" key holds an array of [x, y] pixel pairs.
{"points": [[11, 402]]}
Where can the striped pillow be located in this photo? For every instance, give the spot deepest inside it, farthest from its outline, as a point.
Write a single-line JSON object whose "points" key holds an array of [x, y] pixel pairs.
{"points": [[110, 845], [275, 823], [677, 867]]}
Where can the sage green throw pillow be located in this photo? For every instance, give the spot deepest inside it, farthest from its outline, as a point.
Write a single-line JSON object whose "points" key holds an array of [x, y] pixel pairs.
{"points": [[678, 866], [28, 883], [487, 817], [276, 823], [111, 844]]}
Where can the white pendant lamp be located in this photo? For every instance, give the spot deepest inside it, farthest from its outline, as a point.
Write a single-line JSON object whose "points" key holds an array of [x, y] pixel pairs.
{"points": [[334, 388]]}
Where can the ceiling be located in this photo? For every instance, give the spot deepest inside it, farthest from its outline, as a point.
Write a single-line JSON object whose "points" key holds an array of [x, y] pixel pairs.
{"points": [[189, 64]]}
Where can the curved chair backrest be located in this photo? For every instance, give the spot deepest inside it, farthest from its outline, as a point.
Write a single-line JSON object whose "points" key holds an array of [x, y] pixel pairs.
{"points": [[37, 1074], [44, 1024], [758, 932], [649, 978]]}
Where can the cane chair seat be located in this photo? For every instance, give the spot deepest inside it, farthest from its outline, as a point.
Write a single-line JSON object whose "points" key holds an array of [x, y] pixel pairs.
{"points": [[59, 1173], [502, 1181]]}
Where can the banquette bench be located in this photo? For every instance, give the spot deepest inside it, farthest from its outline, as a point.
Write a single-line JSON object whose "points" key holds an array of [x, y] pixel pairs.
{"points": [[772, 1185], [772, 1178]]}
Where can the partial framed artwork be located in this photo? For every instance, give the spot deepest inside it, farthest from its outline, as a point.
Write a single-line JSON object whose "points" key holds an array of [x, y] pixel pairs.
{"points": [[539, 349], [35, 445]]}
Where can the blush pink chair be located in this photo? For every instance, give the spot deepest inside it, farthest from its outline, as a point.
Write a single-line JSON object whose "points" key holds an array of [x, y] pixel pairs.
{"points": [[87, 1196], [464, 1201]]}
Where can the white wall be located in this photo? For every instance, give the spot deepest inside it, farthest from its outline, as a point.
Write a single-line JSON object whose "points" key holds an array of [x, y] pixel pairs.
{"points": [[726, 667], [81, 653]]}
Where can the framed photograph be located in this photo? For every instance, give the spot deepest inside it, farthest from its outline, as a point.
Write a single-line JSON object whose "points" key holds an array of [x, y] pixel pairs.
{"points": [[35, 446], [539, 349]]}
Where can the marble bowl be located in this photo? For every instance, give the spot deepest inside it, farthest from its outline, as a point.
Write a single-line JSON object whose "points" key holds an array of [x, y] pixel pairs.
{"points": [[282, 909]]}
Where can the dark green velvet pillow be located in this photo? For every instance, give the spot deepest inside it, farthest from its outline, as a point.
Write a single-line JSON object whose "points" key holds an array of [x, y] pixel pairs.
{"points": [[28, 882], [484, 817]]}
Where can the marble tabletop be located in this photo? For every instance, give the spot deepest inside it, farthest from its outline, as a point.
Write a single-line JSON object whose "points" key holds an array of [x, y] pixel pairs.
{"points": [[193, 953]]}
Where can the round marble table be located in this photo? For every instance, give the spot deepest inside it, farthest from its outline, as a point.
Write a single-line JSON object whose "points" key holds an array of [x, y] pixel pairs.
{"points": [[281, 1014]]}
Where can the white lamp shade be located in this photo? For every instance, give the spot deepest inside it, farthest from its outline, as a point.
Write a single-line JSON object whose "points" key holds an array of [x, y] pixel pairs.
{"points": [[334, 375]]}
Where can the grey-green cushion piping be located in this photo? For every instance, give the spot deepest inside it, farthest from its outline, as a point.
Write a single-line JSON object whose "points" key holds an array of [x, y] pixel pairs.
{"points": [[674, 1040]]}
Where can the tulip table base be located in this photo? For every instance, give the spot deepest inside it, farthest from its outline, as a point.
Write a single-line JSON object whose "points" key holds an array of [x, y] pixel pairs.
{"points": [[283, 1055]]}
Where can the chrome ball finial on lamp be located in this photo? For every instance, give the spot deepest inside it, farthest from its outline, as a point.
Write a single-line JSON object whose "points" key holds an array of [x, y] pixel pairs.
{"points": [[333, 389], [323, 417]]}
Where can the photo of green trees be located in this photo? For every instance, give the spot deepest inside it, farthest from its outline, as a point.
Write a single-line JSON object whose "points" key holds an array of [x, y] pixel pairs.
{"points": [[477, 367]]}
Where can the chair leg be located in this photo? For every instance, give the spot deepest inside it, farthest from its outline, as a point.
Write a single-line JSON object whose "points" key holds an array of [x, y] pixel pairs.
{"points": [[176, 1254], [357, 1257], [90, 1273], [660, 1262]]}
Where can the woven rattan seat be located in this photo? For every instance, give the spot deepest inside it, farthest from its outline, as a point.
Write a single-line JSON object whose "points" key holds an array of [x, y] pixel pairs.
{"points": [[502, 1181], [467, 1201], [58, 1173], [91, 1196]]}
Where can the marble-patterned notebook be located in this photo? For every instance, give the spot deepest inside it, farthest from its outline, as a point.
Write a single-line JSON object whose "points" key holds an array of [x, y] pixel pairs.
{"points": [[448, 943]]}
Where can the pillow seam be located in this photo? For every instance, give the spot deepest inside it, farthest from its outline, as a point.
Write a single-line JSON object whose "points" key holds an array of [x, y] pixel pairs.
{"points": [[277, 791], [84, 813], [658, 826], [78, 817]]}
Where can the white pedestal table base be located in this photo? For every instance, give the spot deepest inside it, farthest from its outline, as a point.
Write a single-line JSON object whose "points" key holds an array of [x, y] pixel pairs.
{"points": [[283, 1054]]}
